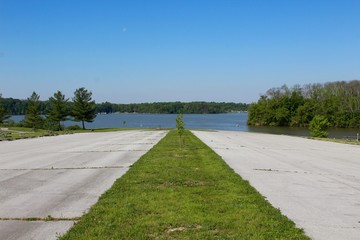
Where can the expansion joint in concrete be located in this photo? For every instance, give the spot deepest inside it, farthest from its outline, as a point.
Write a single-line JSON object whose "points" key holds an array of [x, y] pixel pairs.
{"points": [[41, 219], [52, 168]]}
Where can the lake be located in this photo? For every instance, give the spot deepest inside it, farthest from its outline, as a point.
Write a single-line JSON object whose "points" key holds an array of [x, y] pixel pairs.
{"points": [[229, 122]]}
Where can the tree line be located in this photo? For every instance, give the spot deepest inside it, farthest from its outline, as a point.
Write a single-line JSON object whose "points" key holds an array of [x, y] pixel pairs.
{"points": [[19, 107], [56, 110], [337, 102], [172, 107]]}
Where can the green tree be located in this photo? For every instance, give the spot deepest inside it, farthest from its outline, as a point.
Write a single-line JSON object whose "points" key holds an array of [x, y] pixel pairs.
{"points": [[32, 117], [84, 109], [59, 110], [104, 107], [304, 114], [180, 127], [318, 126], [339, 102], [4, 115]]}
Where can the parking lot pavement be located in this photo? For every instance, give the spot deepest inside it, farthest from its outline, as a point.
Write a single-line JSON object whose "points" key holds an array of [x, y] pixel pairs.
{"points": [[59, 178], [314, 183]]}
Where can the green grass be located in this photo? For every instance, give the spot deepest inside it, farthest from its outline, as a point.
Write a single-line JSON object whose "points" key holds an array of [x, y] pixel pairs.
{"points": [[182, 192], [14, 133]]}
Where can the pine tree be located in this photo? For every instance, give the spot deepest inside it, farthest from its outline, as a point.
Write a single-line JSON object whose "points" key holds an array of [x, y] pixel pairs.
{"points": [[32, 117], [3, 113], [83, 108], [58, 111]]}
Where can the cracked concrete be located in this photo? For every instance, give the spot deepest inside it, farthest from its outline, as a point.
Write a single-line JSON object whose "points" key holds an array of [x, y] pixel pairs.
{"points": [[61, 177], [314, 183]]}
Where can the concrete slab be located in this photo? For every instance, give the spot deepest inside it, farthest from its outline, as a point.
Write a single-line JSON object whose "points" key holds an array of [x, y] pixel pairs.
{"points": [[314, 183], [33, 230], [62, 177]]}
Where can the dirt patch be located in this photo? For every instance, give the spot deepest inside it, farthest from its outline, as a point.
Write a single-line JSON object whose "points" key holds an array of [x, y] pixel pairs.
{"points": [[182, 228]]}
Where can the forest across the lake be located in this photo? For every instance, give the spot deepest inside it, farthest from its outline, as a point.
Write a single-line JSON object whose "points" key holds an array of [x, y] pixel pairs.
{"points": [[338, 102], [19, 106]]}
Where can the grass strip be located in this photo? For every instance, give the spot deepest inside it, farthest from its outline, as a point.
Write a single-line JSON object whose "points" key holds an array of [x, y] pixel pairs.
{"points": [[182, 192]]}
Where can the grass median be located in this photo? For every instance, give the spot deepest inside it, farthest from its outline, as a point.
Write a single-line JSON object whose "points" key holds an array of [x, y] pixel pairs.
{"points": [[182, 192]]}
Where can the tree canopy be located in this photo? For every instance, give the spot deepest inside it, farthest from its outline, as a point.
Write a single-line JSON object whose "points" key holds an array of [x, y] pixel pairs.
{"points": [[172, 107], [4, 114], [32, 117], [339, 102], [83, 107], [58, 109], [18, 107]]}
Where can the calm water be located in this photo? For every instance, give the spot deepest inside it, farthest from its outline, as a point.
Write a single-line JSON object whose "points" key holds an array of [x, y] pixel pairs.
{"points": [[230, 122]]}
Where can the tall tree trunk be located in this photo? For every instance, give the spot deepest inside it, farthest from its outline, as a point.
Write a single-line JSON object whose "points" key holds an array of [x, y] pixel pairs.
{"points": [[83, 124]]}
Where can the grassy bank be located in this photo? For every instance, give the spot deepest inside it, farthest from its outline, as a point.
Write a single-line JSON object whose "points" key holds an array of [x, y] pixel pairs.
{"points": [[14, 133], [185, 192]]}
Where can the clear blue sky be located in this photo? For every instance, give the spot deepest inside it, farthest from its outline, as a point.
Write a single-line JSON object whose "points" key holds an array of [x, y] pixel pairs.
{"points": [[175, 50]]}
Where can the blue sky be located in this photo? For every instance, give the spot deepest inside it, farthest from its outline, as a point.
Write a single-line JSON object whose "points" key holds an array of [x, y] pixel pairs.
{"points": [[175, 50]]}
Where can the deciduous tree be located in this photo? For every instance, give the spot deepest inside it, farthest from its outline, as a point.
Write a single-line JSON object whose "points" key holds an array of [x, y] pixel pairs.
{"points": [[339, 102]]}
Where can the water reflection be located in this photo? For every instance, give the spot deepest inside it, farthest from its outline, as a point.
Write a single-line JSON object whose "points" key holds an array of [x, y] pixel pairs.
{"points": [[280, 130], [295, 131]]}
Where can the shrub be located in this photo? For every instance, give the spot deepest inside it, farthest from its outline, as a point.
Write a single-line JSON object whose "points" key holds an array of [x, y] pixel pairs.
{"points": [[73, 128], [9, 123], [318, 126], [180, 127]]}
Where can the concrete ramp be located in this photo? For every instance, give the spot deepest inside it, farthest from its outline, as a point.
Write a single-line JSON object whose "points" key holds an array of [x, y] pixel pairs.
{"points": [[60, 178], [314, 183]]}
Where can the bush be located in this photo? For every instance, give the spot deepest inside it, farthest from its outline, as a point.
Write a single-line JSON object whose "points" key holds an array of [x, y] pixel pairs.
{"points": [[180, 127], [318, 126], [9, 123], [73, 128]]}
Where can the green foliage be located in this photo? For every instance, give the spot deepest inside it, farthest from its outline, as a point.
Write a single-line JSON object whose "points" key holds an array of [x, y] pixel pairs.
{"points": [[338, 101], [180, 127], [58, 110], [18, 107], [73, 128], [57, 107], [182, 193], [172, 107], [318, 126], [15, 133], [33, 118], [83, 108], [4, 114]]}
